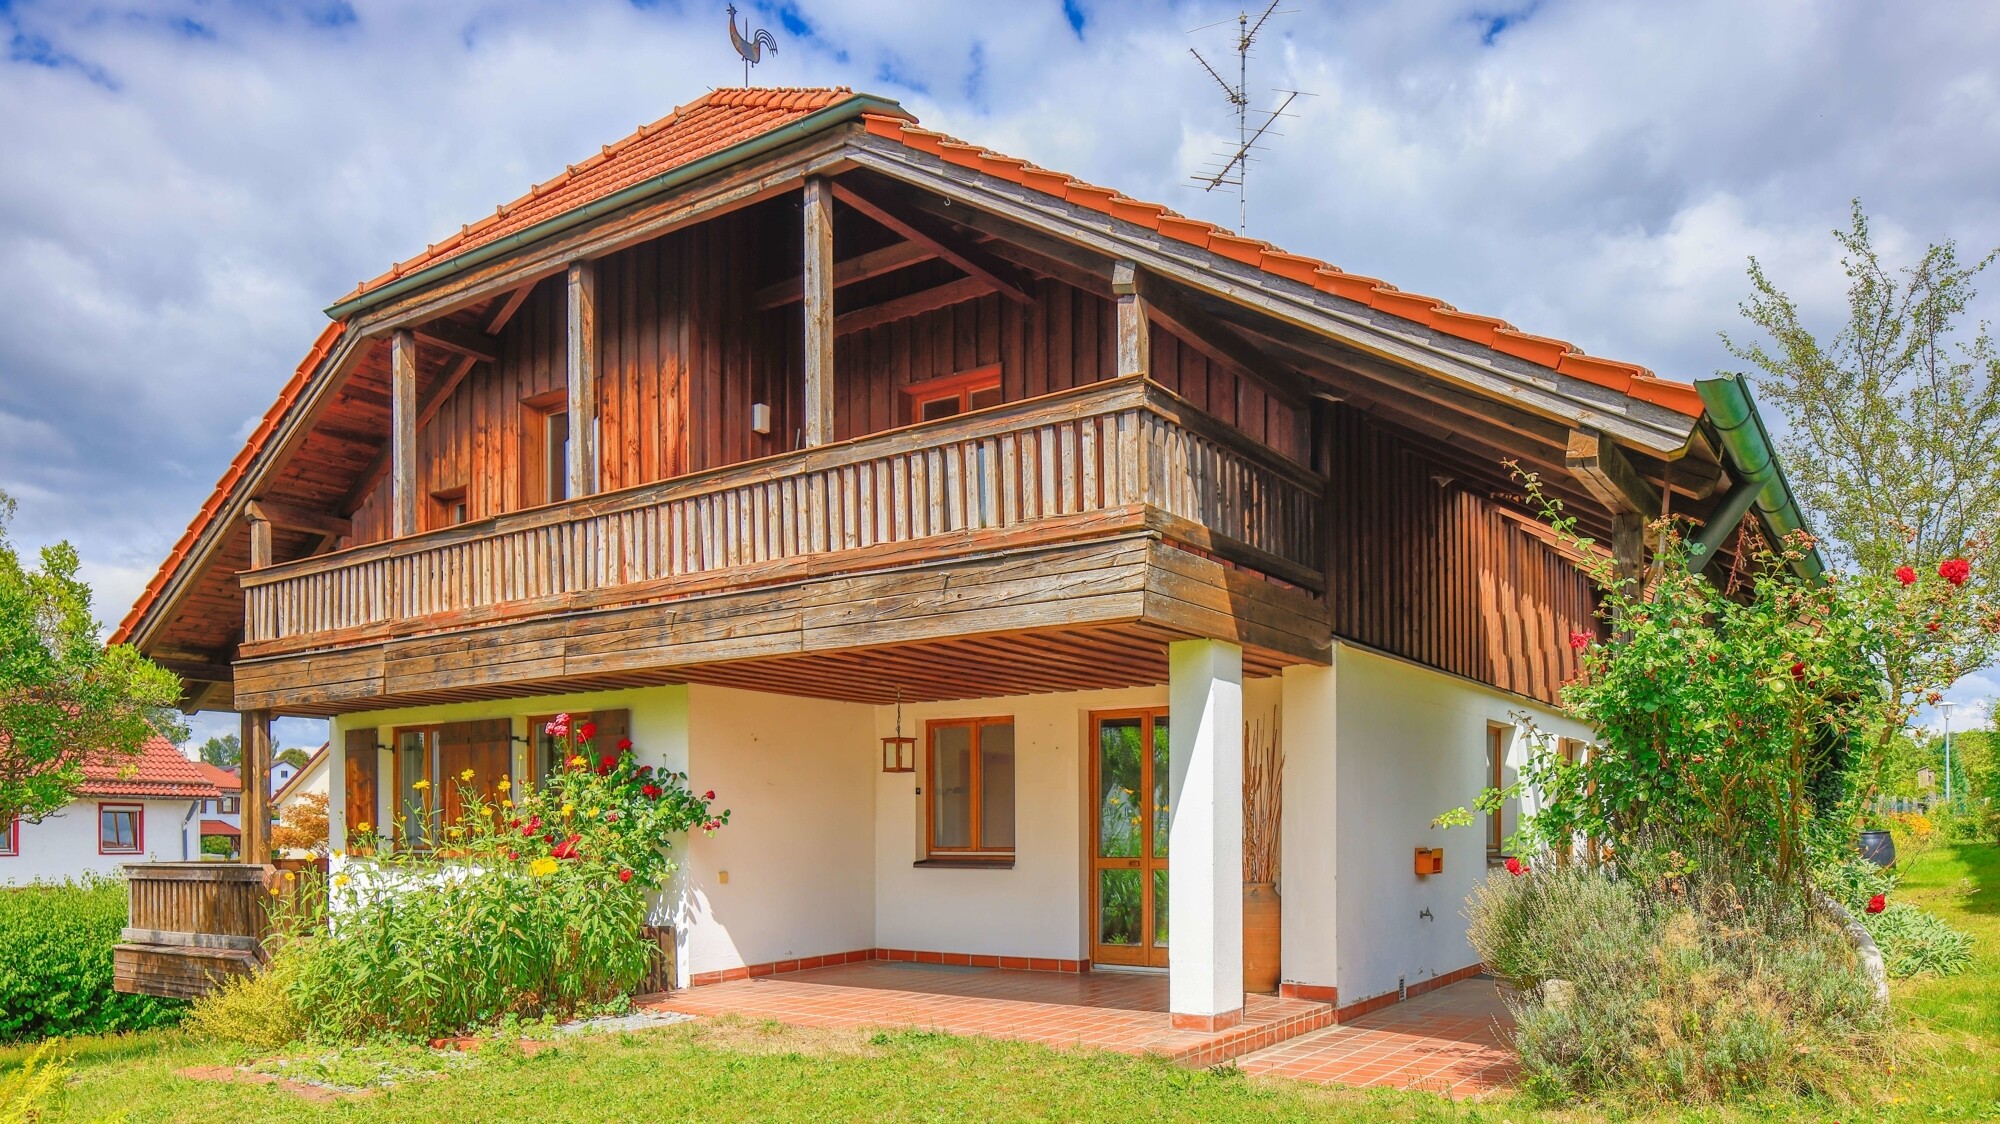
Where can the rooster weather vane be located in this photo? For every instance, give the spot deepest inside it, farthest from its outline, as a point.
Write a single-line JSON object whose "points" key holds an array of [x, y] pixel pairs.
{"points": [[751, 47]]}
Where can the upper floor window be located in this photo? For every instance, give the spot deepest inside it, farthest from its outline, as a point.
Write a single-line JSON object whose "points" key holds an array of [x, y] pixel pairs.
{"points": [[121, 829], [971, 778], [448, 507], [544, 449], [954, 394]]}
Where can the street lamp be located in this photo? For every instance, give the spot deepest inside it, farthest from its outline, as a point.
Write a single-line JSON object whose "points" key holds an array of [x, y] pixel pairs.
{"points": [[1946, 708]]}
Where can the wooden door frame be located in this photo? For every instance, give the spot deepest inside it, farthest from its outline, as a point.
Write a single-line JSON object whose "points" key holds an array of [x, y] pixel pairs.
{"points": [[1146, 955]]}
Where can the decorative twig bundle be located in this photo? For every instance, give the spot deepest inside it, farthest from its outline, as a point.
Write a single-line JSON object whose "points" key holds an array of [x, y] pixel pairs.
{"points": [[1263, 804]]}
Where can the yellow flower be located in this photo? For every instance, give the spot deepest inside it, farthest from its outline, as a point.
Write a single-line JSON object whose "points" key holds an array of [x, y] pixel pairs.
{"points": [[486, 811], [362, 826], [542, 867], [421, 785], [577, 762], [567, 809], [465, 775], [341, 880], [289, 876], [504, 778], [451, 832], [504, 803]]}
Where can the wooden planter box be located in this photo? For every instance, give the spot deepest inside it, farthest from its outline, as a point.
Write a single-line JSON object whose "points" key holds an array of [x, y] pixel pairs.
{"points": [[192, 925]]}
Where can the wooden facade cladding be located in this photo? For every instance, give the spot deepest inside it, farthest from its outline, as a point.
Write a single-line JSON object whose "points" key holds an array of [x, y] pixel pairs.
{"points": [[1433, 572], [1098, 461]]}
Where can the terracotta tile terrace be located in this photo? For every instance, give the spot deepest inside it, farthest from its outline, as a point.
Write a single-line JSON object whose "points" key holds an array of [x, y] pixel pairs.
{"points": [[1449, 1041]]}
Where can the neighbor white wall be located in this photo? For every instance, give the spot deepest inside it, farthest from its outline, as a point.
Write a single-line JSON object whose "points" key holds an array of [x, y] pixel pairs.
{"points": [[1410, 744], [1034, 909], [798, 778], [64, 845]]}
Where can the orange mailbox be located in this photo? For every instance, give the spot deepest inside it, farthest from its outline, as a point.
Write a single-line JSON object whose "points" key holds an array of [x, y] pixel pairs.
{"points": [[1430, 860]]}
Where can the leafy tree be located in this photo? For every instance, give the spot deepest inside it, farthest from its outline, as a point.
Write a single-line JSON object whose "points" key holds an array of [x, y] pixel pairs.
{"points": [[225, 752], [65, 698], [293, 756]]}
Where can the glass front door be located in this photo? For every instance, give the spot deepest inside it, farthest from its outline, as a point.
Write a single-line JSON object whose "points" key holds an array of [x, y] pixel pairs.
{"points": [[1129, 780], [414, 749]]}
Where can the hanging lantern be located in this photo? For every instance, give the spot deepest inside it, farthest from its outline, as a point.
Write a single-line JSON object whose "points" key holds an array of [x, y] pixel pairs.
{"points": [[899, 754]]}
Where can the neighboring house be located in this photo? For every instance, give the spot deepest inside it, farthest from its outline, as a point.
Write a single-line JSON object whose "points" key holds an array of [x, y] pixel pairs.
{"points": [[785, 427], [222, 817], [141, 809], [311, 779], [282, 773]]}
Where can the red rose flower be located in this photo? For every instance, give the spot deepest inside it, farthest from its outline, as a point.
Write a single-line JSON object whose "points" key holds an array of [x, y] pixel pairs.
{"points": [[1799, 670], [1580, 640], [1906, 575], [587, 731], [1955, 570], [650, 791], [709, 795], [624, 876], [607, 762], [1878, 903], [1933, 626], [624, 743], [1514, 867]]}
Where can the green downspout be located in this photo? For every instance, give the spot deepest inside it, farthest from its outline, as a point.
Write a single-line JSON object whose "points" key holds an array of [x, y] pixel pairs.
{"points": [[1752, 462], [816, 121]]}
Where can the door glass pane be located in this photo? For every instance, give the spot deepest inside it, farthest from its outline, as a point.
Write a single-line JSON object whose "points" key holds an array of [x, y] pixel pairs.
{"points": [[1119, 916], [1162, 814], [996, 786], [951, 786], [1160, 908], [1120, 803], [412, 809]]}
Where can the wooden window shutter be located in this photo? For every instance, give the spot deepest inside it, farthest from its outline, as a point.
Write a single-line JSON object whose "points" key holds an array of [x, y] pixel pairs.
{"points": [[485, 747], [364, 770], [612, 726]]}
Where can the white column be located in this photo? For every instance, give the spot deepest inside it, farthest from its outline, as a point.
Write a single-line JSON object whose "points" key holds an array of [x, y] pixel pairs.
{"points": [[1205, 837]]}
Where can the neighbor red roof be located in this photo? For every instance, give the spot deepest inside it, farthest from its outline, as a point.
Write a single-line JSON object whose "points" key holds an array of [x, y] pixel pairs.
{"points": [[224, 779], [220, 827], [724, 118], [160, 771], [704, 126]]}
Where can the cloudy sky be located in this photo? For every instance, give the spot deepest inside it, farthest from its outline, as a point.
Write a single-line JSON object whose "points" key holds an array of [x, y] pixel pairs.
{"points": [[186, 185]]}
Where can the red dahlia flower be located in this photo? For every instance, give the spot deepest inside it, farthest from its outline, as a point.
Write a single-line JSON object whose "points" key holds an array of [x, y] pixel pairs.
{"points": [[1878, 903], [1906, 575], [1514, 867]]}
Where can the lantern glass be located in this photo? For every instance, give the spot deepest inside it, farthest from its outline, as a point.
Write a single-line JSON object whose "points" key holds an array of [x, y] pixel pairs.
{"points": [[899, 755]]}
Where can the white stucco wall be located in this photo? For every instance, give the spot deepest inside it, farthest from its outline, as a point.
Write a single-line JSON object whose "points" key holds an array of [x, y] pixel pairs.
{"points": [[797, 776], [1409, 744], [64, 845]]}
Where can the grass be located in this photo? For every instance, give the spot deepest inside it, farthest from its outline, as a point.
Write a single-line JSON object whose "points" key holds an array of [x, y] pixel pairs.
{"points": [[749, 1070]]}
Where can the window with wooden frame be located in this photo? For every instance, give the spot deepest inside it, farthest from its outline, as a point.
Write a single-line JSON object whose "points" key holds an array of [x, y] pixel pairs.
{"points": [[969, 770], [551, 751], [953, 394], [545, 448], [10, 839], [448, 507], [121, 829], [414, 756], [1496, 778]]}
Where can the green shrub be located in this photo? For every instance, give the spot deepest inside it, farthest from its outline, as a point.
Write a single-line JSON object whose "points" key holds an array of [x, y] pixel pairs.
{"points": [[27, 1093], [55, 963], [260, 1011], [217, 845], [1684, 988]]}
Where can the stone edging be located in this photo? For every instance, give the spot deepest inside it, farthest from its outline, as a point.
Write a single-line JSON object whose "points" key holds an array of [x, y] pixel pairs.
{"points": [[1871, 953]]}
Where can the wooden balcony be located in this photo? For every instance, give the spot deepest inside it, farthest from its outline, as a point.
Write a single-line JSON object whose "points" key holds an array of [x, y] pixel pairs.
{"points": [[1105, 462]]}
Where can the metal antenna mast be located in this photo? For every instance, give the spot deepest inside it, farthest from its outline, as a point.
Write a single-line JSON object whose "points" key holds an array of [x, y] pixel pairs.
{"points": [[1235, 166]]}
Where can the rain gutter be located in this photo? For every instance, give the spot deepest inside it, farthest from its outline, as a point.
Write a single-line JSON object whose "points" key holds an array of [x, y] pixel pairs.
{"points": [[815, 122], [1752, 462]]}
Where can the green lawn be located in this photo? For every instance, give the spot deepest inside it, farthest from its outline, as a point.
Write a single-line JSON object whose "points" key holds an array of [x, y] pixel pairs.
{"points": [[736, 1070]]}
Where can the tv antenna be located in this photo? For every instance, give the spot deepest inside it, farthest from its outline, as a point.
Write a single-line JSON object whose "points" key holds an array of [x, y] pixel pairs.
{"points": [[1234, 167]]}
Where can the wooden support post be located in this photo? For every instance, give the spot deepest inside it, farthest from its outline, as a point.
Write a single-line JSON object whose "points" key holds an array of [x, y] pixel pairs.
{"points": [[403, 433], [1135, 347], [817, 279], [260, 538], [582, 379], [1628, 548], [256, 773]]}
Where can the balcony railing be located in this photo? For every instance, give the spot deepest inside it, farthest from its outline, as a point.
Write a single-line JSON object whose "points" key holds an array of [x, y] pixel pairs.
{"points": [[1098, 460]]}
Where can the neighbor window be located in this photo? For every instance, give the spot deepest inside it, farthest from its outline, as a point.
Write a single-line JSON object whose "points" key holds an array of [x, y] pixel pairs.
{"points": [[120, 829], [954, 394], [1496, 778], [971, 778], [10, 839]]}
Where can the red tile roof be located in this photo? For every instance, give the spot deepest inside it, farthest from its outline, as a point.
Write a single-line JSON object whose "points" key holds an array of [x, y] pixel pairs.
{"points": [[724, 118], [704, 126], [160, 772], [225, 779], [220, 827]]}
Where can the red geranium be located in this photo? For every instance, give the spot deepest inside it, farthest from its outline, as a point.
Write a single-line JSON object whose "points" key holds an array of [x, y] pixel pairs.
{"points": [[1514, 867], [1580, 640], [709, 795], [624, 876], [1906, 575], [558, 726], [650, 790], [567, 848], [1878, 903], [624, 743], [1955, 570], [587, 731]]}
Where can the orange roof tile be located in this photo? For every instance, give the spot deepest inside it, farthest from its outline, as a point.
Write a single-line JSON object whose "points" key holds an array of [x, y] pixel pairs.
{"points": [[225, 779], [704, 126], [160, 771]]}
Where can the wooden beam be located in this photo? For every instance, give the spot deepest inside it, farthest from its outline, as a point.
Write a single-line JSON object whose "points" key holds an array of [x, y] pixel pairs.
{"points": [[291, 517], [1216, 341], [911, 304], [447, 336], [582, 290], [961, 252], [198, 671], [816, 281], [1628, 548], [1602, 468], [508, 307], [256, 773], [1135, 344], [861, 267], [403, 433], [440, 393]]}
